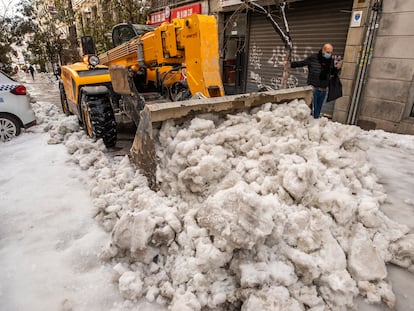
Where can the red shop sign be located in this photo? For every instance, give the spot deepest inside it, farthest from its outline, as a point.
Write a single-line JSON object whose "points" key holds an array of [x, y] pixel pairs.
{"points": [[185, 11], [157, 18]]}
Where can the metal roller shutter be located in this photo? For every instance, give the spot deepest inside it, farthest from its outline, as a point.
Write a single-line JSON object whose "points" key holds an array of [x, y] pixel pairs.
{"points": [[312, 23]]}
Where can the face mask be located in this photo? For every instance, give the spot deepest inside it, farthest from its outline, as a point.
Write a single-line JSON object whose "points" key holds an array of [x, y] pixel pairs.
{"points": [[326, 55]]}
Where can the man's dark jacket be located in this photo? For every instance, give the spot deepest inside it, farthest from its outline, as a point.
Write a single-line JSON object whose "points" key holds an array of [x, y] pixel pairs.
{"points": [[320, 69]]}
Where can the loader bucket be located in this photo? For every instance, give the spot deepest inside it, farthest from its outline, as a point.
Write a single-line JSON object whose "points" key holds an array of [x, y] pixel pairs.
{"points": [[143, 148]]}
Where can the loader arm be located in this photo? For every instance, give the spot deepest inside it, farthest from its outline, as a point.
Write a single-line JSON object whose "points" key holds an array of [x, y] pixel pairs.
{"points": [[190, 42]]}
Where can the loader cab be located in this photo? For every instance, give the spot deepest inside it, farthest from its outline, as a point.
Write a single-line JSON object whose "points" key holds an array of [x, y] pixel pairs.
{"points": [[123, 33]]}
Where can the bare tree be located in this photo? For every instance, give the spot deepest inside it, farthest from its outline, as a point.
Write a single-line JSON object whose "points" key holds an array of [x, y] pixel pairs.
{"points": [[72, 30], [14, 24], [6, 8], [282, 31]]}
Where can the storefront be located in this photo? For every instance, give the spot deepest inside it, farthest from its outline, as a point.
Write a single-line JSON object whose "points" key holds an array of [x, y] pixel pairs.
{"points": [[312, 23]]}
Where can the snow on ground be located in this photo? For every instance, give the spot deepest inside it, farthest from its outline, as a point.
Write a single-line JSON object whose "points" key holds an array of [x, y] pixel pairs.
{"points": [[49, 242], [270, 210]]}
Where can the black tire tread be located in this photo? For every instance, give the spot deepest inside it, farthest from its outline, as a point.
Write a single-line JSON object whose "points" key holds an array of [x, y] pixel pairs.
{"points": [[102, 118], [63, 101]]}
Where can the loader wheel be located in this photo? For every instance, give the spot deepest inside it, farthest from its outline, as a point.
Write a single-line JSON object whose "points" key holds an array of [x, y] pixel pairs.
{"points": [[98, 118], [86, 120], [64, 101]]}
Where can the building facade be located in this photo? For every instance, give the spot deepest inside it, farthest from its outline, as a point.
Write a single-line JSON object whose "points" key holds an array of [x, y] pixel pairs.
{"points": [[379, 72]]}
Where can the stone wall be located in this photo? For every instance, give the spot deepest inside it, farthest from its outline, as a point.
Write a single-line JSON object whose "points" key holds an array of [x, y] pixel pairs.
{"points": [[388, 94], [353, 47]]}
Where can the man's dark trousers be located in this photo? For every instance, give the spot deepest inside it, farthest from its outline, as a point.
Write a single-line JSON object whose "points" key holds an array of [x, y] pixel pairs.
{"points": [[318, 99]]}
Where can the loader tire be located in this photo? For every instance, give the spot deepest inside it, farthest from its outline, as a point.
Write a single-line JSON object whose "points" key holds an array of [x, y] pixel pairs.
{"points": [[98, 118], [63, 100]]}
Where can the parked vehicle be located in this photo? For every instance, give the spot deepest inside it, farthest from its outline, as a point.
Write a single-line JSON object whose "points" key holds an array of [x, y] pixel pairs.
{"points": [[15, 109]]}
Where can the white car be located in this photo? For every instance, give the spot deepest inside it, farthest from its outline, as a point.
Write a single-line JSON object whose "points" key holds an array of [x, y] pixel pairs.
{"points": [[15, 110]]}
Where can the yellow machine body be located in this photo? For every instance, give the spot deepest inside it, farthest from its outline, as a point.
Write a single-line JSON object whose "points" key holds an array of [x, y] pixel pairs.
{"points": [[80, 74], [191, 42]]}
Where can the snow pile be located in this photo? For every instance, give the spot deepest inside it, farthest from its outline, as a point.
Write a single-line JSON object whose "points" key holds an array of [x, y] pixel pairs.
{"points": [[271, 210], [50, 119]]}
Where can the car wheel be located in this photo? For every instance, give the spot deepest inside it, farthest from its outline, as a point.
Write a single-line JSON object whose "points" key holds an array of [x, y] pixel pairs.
{"points": [[9, 127]]}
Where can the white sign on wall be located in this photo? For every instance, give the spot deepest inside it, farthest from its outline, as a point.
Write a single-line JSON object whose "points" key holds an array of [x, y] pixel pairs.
{"points": [[356, 19], [224, 3]]}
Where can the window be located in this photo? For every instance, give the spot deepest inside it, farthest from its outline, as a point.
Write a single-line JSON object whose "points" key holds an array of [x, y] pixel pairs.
{"points": [[122, 33]]}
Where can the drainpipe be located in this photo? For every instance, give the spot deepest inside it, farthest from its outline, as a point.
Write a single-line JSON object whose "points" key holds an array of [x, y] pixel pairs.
{"points": [[364, 62]]}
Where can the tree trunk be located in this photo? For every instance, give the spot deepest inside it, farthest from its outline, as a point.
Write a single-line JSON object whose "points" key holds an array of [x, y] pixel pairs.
{"points": [[73, 37]]}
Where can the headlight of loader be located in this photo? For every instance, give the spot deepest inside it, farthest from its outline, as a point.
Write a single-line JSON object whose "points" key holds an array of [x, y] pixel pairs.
{"points": [[93, 60]]}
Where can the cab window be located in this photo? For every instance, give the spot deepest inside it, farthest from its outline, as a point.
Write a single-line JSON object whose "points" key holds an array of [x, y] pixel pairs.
{"points": [[122, 34]]}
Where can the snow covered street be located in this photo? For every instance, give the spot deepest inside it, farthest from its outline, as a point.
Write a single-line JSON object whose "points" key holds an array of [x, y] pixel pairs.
{"points": [[271, 210], [49, 239]]}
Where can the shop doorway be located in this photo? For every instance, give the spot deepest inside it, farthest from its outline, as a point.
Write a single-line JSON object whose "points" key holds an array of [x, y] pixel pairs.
{"points": [[234, 56]]}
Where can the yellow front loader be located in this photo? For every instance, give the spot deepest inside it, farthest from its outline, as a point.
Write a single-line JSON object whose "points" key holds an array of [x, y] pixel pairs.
{"points": [[173, 72]]}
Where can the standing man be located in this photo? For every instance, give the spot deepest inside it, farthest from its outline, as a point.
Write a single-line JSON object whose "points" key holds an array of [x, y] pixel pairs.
{"points": [[57, 71], [31, 69], [320, 68]]}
